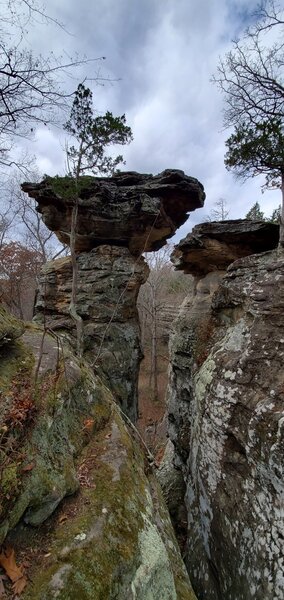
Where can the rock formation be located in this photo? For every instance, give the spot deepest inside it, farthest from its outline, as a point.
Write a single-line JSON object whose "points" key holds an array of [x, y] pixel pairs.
{"points": [[62, 432], [213, 246], [226, 415], [118, 218], [128, 209], [108, 283]]}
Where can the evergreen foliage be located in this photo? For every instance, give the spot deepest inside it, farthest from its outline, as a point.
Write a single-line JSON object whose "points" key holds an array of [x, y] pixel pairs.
{"points": [[257, 149], [255, 214], [276, 215], [93, 136]]}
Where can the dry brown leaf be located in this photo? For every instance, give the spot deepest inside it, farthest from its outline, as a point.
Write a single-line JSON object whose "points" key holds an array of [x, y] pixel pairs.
{"points": [[88, 424], [62, 518], [8, 562], [28, 467], [19, 585]]}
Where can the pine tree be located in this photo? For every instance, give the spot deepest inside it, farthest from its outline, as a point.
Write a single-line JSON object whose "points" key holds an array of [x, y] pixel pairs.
{"points": [[93, 135], [259, 150], [255, 214]]}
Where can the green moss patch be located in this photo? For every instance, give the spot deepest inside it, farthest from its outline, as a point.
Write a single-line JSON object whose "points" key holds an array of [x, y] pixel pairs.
{"points": [[44, 424], [68, 188], [92, 554], [109, 545], [10, 327]]}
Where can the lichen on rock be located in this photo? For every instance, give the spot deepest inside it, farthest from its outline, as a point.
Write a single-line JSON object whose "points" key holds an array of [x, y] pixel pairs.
{"points": [[111, 546], [226, 422]]}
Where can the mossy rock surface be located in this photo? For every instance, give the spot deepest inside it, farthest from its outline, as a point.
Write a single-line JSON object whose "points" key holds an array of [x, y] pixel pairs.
{"points": [[117, 541], [46, 398], [77, 496], [10, 327], [68, 188]]}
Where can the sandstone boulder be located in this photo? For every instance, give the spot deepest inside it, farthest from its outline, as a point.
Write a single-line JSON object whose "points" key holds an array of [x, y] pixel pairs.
{"points": [[109, 279], [215, 245], [129, 209]]}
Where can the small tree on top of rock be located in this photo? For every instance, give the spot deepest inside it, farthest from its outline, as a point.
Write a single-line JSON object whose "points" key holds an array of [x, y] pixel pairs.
{"points": [[93, 135], [255, 214], [276, 215], [220, 212]]}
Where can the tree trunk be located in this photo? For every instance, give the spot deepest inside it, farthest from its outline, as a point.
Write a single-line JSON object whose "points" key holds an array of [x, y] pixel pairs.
{"points": [[72, 306], [281, 231], [154, 358]]}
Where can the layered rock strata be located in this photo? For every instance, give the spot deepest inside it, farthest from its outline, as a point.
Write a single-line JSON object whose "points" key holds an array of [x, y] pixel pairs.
{"points": [[61, 432], [129, 209], [226, 422], [109, 279], [118, 218], [213, 246]]}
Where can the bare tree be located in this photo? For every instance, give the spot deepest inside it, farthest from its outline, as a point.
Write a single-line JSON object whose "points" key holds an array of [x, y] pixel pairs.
{"points": [[31, 90], [30, 228], [251, 74], [157, 304], [251, 78], [19, 267], [7, 219], [220, 212]]}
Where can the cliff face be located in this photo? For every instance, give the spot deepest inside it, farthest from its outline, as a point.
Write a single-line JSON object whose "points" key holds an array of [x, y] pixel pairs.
{"points": [[118, 218], [61, 433], [109, 279], [226, 422]]}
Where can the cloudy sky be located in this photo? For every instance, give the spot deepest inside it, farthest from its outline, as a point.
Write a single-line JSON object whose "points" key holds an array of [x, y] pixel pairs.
{"points": [[161, 55]]}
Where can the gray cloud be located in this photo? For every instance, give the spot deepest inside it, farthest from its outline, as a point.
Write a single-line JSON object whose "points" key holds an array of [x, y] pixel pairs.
{"points": [[165, 53]]}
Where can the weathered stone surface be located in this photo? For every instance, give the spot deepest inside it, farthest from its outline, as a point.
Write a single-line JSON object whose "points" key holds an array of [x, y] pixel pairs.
{"points": [[227, 393], [188, 349], [213, 246], [172, 483], [60, 426], [129, 209], [120, 543], [44, 399], [109, 279]]}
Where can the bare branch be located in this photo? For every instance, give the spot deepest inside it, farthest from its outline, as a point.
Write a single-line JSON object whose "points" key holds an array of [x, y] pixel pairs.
{"points": [[251, 75]]}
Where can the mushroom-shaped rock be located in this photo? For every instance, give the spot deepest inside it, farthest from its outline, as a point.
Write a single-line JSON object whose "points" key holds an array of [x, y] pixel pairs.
{"points": [[129, 209], [214, 246]]}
